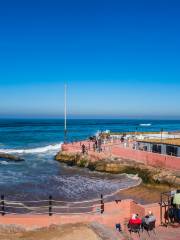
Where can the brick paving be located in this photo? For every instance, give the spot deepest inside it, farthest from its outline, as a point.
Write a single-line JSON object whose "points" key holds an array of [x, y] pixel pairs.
{"points": [[161, 233]]}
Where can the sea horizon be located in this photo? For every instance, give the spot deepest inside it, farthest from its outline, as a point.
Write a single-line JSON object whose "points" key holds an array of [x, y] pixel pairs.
{"points": [[93, 118]]}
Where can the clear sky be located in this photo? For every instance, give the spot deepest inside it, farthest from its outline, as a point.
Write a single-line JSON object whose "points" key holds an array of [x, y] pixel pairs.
{"points": [[119, 58]]}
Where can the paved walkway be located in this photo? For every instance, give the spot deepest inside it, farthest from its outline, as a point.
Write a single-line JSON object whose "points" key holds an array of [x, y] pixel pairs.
{"points": [[79, 231], [161, 233]]}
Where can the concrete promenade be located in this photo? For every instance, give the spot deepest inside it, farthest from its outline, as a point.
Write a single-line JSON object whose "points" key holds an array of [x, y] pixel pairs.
{"points": [[114, 213], [121, 150]]}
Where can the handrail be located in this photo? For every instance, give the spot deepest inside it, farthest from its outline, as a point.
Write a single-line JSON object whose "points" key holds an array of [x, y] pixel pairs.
{"points": [[50, 207]]}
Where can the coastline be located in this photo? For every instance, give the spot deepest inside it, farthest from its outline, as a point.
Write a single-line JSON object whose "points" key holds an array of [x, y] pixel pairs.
{"points": [[139, 199], [142, 193], [154, 180]]}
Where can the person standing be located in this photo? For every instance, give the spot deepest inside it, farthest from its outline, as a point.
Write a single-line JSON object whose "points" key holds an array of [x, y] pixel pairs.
{"points": [[83, 149], [176, 202]]}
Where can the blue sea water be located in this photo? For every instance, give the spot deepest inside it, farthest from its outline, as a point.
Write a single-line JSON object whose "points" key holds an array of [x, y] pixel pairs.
{"points": [[37, 141]]}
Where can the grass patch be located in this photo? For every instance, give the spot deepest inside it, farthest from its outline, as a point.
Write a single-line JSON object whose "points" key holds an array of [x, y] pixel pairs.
{"points": [[82, 163]]}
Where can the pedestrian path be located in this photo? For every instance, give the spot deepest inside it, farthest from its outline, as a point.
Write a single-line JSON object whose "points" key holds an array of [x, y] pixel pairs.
{"points": [[161, 233]]}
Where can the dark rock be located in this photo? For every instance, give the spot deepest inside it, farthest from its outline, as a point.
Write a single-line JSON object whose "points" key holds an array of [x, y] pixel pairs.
{"points": [[10, 157]]}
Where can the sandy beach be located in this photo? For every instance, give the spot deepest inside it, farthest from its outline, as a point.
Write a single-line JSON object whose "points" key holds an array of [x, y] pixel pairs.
{"points": [[144, 193]]}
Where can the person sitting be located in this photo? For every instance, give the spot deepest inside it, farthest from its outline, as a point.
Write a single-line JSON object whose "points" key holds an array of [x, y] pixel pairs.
{"points": [[135, 220], [134, 224], [148, 219]]}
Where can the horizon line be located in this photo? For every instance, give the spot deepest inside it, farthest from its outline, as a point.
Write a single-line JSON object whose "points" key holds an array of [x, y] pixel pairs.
{"points": [[146, 118]]}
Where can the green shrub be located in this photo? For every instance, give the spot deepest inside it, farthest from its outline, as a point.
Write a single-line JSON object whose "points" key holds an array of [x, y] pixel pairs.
{"points": [[82, 163]]}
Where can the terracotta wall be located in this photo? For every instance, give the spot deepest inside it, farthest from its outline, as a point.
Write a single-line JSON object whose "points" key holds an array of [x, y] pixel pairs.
{"points": [[114, 213], [149, 158], [137, 208]]}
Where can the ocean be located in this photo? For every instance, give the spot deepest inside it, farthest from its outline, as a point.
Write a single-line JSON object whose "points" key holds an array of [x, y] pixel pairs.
{"points": [[37, 141]]}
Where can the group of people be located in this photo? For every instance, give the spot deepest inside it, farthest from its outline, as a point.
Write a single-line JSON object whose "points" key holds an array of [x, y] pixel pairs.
{"points": [[97, 145], [174, 210], [142, 222]]}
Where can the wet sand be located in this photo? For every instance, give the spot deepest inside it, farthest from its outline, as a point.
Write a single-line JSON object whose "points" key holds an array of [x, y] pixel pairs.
{"points": [[144, 193]]}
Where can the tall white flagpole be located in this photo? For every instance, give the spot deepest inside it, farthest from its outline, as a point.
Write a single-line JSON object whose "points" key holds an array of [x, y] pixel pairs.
{"points": [[65, 113]]}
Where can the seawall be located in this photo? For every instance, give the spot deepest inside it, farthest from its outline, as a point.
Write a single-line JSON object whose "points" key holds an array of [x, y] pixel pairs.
{"points": [[113, 213], [117, 149], [152, 168]]}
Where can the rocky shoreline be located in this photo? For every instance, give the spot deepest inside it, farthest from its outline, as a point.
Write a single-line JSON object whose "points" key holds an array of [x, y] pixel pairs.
{"points": [[149, 175], [10, 157]]}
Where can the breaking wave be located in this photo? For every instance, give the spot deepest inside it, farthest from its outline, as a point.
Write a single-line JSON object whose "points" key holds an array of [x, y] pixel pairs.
{"points": [[52, 147], [145, 124]]}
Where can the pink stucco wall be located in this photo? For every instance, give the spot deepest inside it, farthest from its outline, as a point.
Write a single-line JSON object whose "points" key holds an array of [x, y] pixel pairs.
{"points": [[117, 149], [114, 213], [149, 158]]}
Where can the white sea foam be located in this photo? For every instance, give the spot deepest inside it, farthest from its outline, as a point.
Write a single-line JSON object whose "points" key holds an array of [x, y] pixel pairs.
{"points": [[145, 124], [52, 147], [97, 133], [4, 162]]}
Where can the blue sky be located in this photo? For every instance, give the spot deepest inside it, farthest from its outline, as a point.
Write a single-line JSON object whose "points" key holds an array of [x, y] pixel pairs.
{"points": [[119, 58]]}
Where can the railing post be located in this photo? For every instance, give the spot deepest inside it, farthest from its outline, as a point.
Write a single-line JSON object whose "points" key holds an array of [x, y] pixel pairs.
{"points": [[102, 204], [2, 205], [50, 205]]}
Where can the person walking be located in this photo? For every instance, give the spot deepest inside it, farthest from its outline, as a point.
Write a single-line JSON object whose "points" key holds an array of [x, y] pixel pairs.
{"points": [[83, 149]]}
